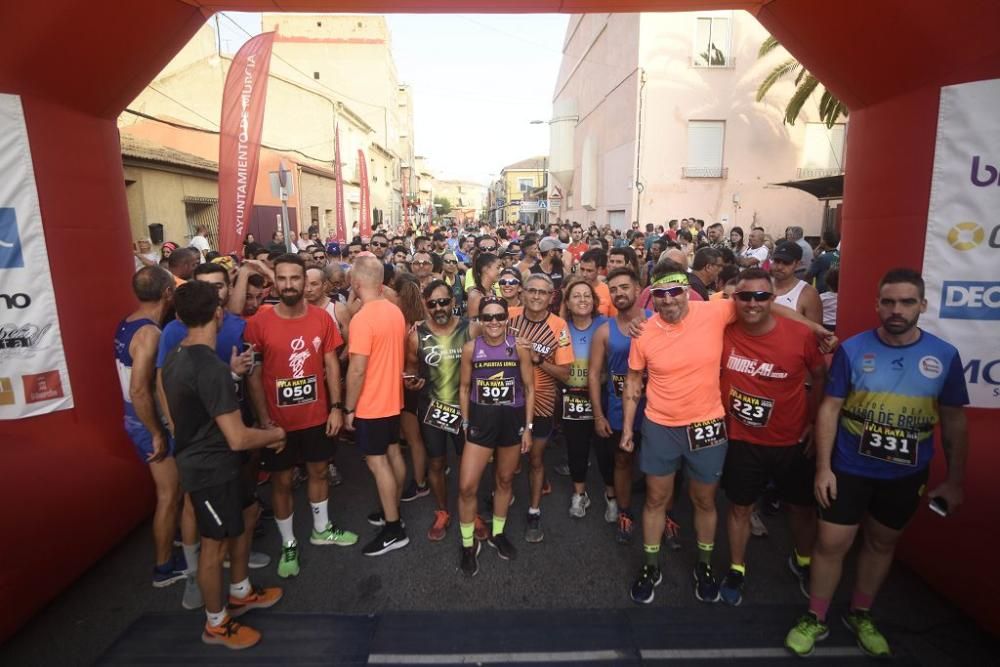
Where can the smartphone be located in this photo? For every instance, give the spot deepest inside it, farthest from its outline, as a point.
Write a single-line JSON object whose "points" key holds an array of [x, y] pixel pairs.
{"points": [[408, 376], [939, 506]]}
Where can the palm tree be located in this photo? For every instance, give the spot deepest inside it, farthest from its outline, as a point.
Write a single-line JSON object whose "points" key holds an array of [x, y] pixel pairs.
{"points": [[830, 108]]}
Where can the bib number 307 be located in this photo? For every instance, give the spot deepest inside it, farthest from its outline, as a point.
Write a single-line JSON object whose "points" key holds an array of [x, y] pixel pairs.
{"points": [[295, 391], [892, 445], [710, 433], [496, 392]]}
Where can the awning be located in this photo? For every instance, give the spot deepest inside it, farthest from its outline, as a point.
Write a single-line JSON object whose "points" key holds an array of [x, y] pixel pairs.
{"points": [[827, 187]]}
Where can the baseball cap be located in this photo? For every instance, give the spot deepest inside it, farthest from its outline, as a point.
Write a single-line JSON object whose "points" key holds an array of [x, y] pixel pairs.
{"points": [[548, 244], [788, 251]]}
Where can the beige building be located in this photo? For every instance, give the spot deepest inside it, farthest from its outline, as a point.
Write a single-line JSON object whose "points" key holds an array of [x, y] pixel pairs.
{"points": [[468, 199], [513, 197], [654, 117]]}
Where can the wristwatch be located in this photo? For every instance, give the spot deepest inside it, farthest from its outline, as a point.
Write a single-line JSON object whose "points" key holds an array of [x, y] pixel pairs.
{"points": [[530, 426], [349, 412], [339, 405]]}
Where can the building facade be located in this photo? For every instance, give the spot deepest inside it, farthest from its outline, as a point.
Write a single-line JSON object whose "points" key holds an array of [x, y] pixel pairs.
{"points": [[655, 118], [513, 197]]}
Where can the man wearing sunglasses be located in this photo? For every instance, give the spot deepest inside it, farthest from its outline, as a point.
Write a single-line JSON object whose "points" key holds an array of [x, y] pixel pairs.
{"points": [[766, 362], [421, 266], [379, 245], [684, 423], [789, 290], [551, 265]]}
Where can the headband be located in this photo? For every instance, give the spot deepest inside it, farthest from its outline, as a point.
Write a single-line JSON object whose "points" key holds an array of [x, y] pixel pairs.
{"points": [[678, 278]]}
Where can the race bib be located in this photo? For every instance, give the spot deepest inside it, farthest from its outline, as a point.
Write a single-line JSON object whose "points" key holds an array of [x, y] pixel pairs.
{"points": [[495, 392], [618, 382], [577, 407], [710, 433], [889, 444], [295, 391], [750, 410], [443, 416]]}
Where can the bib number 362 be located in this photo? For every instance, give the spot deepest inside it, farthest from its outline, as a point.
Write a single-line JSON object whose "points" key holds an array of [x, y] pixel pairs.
{"points": [[576, 407], [710, 433], [893, 445], [295, 391]]}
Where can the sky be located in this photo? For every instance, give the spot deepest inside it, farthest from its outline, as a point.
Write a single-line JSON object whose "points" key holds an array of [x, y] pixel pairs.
{"points": [[478, 80]]}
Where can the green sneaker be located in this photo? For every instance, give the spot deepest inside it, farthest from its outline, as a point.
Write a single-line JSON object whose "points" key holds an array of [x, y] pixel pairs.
{"points": [[803, 637], [333, 535], [288, 565], [870, 640]]}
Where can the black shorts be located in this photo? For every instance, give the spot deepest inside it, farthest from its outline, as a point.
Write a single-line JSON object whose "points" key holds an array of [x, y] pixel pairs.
{"points": [[375, 435], [891, 502], [436, 440], [750, 467], [218, 510], [542, 427], [411, 401], [495, 425], [309, 445]]}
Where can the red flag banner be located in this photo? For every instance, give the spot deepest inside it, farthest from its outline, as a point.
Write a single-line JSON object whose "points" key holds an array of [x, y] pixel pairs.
{"points": [[239, 139], [366, 202], [339, 173]]}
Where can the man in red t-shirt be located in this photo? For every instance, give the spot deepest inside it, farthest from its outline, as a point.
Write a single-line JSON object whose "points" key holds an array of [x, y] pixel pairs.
{"points": [[578, 246], [297, 387], [767, 362]]}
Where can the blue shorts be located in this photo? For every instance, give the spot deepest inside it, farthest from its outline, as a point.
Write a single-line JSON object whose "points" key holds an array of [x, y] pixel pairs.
{"points": [[665, 448], [142, 439]]}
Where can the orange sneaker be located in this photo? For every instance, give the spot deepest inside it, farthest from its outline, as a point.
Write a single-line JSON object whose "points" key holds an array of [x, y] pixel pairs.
{"points": [[231, 634], [437, 531], [482, 533], [259, 598]]}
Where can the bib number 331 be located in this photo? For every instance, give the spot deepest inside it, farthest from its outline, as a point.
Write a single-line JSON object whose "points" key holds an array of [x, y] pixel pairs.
{"points": [[710, 433], [892, 445]]}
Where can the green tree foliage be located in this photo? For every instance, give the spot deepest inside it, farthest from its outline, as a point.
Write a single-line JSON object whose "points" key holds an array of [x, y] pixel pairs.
{"points": [[442, 205], [831, 110]]}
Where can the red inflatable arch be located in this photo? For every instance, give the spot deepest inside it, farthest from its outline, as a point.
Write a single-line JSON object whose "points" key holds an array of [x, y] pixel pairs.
{"points": [[72, 485]]}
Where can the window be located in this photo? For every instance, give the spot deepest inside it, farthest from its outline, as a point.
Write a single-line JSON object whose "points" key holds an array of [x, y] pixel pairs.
{"points": [[525, 184], [316, 75], [705, 141], [712, 42], [823, 151], [314, 214]]}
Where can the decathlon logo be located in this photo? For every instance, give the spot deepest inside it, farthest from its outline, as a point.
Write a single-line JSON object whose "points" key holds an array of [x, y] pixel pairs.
{"points": [[970, 300]]}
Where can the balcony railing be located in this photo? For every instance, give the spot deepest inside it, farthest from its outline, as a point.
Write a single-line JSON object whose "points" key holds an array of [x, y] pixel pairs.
{"points": [[815, 172], [704, 172]]}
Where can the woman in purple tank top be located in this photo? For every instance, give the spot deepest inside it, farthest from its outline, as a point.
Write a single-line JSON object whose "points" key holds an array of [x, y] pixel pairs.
{"points": [[497, 398]]}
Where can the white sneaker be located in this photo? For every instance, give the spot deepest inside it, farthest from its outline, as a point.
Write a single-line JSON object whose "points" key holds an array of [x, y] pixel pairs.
{"points": [[757, 527], [578, 505], [611, 511], [192, 594]]}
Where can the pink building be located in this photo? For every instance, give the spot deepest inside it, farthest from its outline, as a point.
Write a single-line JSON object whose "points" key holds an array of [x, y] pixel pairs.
{"points": [[654, 117]]}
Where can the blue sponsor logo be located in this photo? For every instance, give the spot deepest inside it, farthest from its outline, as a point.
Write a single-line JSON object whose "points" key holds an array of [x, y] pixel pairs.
{"points": [[10, 240], [970, 300]]}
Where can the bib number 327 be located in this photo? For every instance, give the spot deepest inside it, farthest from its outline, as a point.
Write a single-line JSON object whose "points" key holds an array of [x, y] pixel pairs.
{"points": [[443, 416], [892, 445], [295, 391], [710, 433]]}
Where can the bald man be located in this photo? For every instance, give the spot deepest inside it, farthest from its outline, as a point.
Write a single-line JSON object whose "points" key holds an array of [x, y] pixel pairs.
{"points": [[375, 396]]}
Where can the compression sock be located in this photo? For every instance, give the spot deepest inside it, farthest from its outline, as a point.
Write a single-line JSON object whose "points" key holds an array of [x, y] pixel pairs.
{"points": [[468, 533], [498, 524], [818, 608], [802, 561], [861, 601], [742, 569], [651, 554], [705, 553], [191, 556]]}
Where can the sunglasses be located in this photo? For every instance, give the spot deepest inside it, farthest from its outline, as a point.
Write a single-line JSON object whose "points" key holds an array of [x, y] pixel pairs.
{"points": [[663, 292], [753, 296], [451, 261], [535, 291], [509, 282], [496, 317], [422, 262], [439, 303], [488, 249], [377, 244]]}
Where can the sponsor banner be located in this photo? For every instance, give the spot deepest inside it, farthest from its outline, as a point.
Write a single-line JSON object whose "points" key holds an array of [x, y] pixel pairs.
{"points": [[33, 375], [365, 206], [338, 171], [962, 248], [239, 139]]}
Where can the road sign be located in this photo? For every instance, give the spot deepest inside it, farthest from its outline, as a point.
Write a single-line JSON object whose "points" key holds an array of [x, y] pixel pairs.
{"points": [[501, 202]]}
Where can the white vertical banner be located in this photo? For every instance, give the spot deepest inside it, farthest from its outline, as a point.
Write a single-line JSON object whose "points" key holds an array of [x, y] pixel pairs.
{"points": [[33, 375], [962, 251]]}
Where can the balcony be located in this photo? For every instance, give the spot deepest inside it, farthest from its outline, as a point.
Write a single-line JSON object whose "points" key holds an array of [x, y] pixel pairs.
{"points": [[704, 172], [816, 172]]}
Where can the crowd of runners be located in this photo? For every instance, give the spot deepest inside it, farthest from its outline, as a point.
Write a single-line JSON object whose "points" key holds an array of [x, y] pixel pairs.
{"points": [[681, 356]]}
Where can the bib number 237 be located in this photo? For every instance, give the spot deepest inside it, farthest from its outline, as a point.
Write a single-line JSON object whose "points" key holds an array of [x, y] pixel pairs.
{"points": [[710, 433]]}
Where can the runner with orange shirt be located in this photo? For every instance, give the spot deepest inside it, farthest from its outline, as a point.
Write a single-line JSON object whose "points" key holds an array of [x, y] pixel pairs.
{"points": [[546, 336]]}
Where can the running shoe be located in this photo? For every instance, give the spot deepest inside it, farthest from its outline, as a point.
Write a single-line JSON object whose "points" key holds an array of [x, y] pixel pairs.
{"points": [[801, 573], [870, 640], [230, 634], [801, 639], [610, 510], [192, 593], [482, 533], [757, 527], [333, 535], [533, 533], [288, 566], [439, 528], [578, 505], [731, 588], [625, 528], [561, 469], [259, 598], [671, 534], [642, 590], [387, 540], [469, 561], [377, 518], [412, 491], [255, 561], [169, 573], [706, 588], [333, 476], [504, 548]]}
